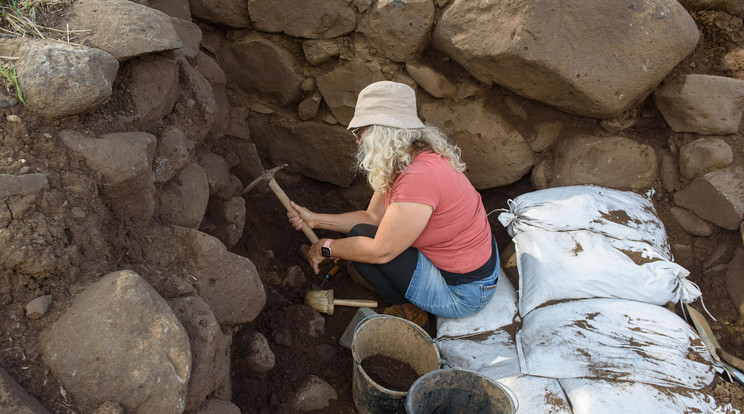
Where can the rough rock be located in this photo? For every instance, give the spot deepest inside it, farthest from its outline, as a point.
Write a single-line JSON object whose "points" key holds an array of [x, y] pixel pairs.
{"points": [[140, 356], [171, 155], [316, 19], [238, 124], [734, 7], [228, 282], [183, 202], [717, 196], [582, 57], [320, 151], [11, 185], [669, 173], [38, 307], [174, 8], [62, 79], [615, 162], [308, 108], [122, 28], [342, 85], [196, 109], [123, 160], [259, 355], [210, 349], [225, 219], [15, 399], [214, 406], [399, 30], [152, 83], [433, 82], [734, 62], [703, 104], [318, 52], [495, 152], [255, 63], [690, 223], [218, 174], [735, 280], [214, 74], [314, 394], [225, 13], [703, 154], [190, 35], [543, 135]]}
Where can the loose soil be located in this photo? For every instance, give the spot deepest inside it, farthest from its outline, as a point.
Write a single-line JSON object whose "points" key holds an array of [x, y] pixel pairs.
{"points": [[389, 372], [82, 249]]}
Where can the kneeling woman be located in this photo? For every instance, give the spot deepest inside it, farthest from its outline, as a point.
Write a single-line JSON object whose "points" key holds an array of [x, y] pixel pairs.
{"points": [[424, 241]]}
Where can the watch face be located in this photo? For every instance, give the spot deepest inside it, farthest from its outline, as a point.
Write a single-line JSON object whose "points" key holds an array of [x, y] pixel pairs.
{"points": [[325, 251]]}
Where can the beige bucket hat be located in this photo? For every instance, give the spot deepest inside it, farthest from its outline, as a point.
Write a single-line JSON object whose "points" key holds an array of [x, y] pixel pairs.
{"points": [[386, 103]]}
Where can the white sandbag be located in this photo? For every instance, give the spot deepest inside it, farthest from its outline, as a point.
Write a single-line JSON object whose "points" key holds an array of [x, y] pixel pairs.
{"points": [[613, 339], [493, 354], [498, 312], [619, 397], [537, 395], [620, 214], [580, 264]]}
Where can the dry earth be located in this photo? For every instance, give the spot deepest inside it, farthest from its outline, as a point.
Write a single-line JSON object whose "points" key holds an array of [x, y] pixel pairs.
{"points": [[30, 144]]}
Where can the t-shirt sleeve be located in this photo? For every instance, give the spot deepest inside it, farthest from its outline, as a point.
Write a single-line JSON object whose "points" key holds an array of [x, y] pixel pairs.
{"points": [[418, 184]]}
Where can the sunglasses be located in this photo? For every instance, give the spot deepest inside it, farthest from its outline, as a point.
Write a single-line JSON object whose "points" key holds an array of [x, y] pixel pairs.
{"points": [[357, 132]]}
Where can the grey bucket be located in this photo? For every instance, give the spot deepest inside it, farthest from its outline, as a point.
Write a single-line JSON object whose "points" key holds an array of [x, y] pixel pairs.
{"points": [[392, 337], [457, 390]]}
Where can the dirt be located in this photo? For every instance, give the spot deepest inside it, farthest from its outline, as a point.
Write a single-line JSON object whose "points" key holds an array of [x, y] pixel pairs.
{"points": [[71, 251], [389, 372]]}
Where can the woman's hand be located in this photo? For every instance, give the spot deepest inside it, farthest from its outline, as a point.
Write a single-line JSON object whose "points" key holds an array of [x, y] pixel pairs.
{"points": [[314, 255], [303, 217]]}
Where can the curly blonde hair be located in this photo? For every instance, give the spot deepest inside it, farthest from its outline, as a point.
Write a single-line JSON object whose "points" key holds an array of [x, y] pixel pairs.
{"points": [[384, 152]]}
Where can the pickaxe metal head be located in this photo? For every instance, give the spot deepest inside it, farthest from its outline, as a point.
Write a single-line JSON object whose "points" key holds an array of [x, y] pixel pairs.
{"points": [[265, 177]]}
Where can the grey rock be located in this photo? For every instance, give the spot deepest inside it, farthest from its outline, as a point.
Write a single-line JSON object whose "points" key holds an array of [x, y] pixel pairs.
{"points": [[11, 185], [316, 19], [703, 154], [717, 197]]}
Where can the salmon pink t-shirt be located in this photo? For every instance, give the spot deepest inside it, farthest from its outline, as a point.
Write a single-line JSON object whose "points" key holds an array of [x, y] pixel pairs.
{"points": [[457, 237]]}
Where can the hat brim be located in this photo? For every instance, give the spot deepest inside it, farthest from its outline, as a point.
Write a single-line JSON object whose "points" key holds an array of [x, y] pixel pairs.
{"points": [[403, 121]]}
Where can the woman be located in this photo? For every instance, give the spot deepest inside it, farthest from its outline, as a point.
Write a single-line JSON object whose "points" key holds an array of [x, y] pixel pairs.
{"points": [[424, 241]]}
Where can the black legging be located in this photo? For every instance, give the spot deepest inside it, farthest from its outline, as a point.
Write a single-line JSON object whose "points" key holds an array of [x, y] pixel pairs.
{"points": [[390, 279]]}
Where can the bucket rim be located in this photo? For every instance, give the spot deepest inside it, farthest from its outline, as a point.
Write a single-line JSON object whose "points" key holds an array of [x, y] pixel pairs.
{"points": [[358, 361], [509, 393]]}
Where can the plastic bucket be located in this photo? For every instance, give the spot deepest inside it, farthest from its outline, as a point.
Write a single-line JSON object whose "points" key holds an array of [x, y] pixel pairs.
{"points": [[459, 391], [395, 338]]}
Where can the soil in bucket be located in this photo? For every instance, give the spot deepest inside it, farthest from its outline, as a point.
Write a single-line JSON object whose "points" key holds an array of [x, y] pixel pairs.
{"points": [[390, 372]]}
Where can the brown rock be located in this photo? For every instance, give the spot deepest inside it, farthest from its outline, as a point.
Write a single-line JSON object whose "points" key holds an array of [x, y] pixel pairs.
{"points": [[15, 399], [690, 223], [735, 280], [717, 197]]}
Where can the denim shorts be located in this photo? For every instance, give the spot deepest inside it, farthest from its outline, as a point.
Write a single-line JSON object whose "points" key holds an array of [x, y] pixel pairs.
{"points": [[430, 292]]}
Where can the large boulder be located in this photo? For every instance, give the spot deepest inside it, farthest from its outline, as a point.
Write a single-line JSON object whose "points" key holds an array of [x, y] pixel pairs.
{"points": [[342, 85], [226, 13], [119, 341], [123, 160], [615, 162], [61, 79], [228, 282], [254, 63], [590, 58], [717, 196], [495, 152], [210, 349], [399, 30], [123, 28], [703, 104], [316, 19]]}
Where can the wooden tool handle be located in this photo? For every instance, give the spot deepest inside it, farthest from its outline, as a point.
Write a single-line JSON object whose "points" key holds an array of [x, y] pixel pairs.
{"points": [[285, 202], [356, 303]]}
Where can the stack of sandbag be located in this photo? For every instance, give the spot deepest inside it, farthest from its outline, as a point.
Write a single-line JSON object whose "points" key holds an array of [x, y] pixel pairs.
{"points": [[589, 334]]}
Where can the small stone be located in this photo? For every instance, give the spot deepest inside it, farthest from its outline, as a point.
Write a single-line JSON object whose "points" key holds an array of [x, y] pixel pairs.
{"points": [[13, 118], [315, 394], [77, 212], [262, 109], [38, 307]]}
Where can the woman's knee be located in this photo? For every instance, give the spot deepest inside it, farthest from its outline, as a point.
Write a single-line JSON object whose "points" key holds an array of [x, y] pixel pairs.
{"points": [[363, 229]]}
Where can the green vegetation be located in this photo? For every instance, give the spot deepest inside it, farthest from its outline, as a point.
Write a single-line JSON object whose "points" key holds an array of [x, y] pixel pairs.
{"points": [[9, 78]]}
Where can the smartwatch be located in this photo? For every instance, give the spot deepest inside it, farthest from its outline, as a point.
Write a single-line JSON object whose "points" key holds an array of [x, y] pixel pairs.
{"points": [[325, 251]]}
